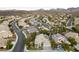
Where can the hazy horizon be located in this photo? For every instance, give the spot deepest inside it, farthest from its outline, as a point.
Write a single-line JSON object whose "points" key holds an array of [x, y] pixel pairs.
{"points": [[31, 8], [37, 4]]}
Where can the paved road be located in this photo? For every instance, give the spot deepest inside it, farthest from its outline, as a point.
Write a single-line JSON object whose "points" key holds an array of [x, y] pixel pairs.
{"points": [[69, 22], [19, 47]]}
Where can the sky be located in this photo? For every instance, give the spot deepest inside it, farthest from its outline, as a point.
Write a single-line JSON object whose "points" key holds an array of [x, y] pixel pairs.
{"points": [[37, 4]]}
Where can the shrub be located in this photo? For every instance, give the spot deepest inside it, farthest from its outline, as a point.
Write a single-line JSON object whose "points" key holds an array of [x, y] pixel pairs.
{"points": [[72, 41], [65, 46], [9, 44]]}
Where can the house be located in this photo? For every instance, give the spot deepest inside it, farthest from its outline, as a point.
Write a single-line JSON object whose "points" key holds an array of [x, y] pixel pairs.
{"points": [[76, 21], [59, 38], [5, 34], [34, 22], [32, 29], [22, 23], [73, 35], [45, 20], [9, 18], [4, 30], [45, 26], [42, 38], [3, 43]]}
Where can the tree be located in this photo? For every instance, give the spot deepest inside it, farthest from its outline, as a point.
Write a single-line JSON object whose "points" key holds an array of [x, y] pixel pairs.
{"points": [[63, 23], [62, 29], [45, 32], [9, 44], [53, 44], [65, 46], [10, 27], [49, 18], [76, 28], [72, 41], [68, 47], [42, 45], [1, 21], [33, 35], [58, 29], [55, 30], [30, 41], [40, 17], [20, 27]]}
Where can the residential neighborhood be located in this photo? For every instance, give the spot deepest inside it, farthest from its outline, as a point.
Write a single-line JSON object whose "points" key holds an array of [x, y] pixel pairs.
{"points": [[39, 31]]}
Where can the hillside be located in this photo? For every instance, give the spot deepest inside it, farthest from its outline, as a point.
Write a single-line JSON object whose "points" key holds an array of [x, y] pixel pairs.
{"points": [[73, 11]]}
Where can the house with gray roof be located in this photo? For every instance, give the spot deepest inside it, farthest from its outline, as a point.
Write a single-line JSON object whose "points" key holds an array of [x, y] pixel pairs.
{"points": [[59, 38], [34, 22], [32, 29]]}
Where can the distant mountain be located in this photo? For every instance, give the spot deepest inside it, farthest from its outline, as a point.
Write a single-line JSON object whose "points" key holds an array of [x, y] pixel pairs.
{"points": [[73, 11], [12, 12]]}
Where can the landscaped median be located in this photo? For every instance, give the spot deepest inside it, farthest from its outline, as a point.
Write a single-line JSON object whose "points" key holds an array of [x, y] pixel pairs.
{"points": [[11, 44], [11, 49], [29, 43]]}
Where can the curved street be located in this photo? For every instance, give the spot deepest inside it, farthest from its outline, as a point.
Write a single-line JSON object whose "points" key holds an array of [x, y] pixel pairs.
{"points": [[19, 47]]}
